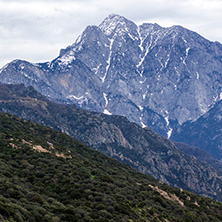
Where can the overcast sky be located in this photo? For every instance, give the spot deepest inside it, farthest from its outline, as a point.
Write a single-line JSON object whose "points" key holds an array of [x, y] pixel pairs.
{"points": [[37, 30]]}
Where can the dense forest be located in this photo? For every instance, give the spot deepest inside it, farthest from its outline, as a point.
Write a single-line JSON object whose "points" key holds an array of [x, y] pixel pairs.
{"points": [[46, 175]]}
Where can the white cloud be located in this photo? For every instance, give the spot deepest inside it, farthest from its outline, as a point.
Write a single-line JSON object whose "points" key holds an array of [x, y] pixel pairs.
{"points": [[36, 30]]}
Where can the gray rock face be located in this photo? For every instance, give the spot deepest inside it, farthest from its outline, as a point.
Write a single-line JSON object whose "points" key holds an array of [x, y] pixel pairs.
{"points": [[155, 76], [201, 155], [205, 132]]}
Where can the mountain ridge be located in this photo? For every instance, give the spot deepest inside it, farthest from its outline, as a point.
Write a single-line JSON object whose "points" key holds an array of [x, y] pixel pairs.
{"points": [[115, 136], [125, 69], [205, 131]]}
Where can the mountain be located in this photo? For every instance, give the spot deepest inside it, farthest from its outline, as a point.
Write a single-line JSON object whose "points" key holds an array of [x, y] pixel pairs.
{"points": [[48, 176], [155, 76], [205, 132], [117, 137], [201, 155]]}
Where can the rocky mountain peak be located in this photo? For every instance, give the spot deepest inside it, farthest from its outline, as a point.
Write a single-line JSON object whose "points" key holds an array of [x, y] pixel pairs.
{"points": [[147, 28], [116, 24], [155, 76]]}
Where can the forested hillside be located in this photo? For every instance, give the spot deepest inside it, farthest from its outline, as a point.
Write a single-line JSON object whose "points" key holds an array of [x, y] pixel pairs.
{"points": [[46, 175]]}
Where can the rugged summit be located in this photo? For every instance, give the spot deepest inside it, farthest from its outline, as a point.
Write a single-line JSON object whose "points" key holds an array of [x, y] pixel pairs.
{"points": [[158, 77]]}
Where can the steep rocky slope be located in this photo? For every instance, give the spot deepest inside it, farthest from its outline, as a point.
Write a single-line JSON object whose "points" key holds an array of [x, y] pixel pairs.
{"points": [[201, 155], [117, 137], [205, 132], [155, 76]]}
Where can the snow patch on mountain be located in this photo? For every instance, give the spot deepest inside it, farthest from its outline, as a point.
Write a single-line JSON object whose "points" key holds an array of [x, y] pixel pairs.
{"points": [[109, 59], [106, 100], [96, 70], [142, 123], [107, 112], [75, 97]]}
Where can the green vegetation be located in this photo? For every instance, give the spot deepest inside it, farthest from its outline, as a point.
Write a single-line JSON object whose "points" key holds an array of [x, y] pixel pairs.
{"points": [[115, 136], [47, 176]]}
